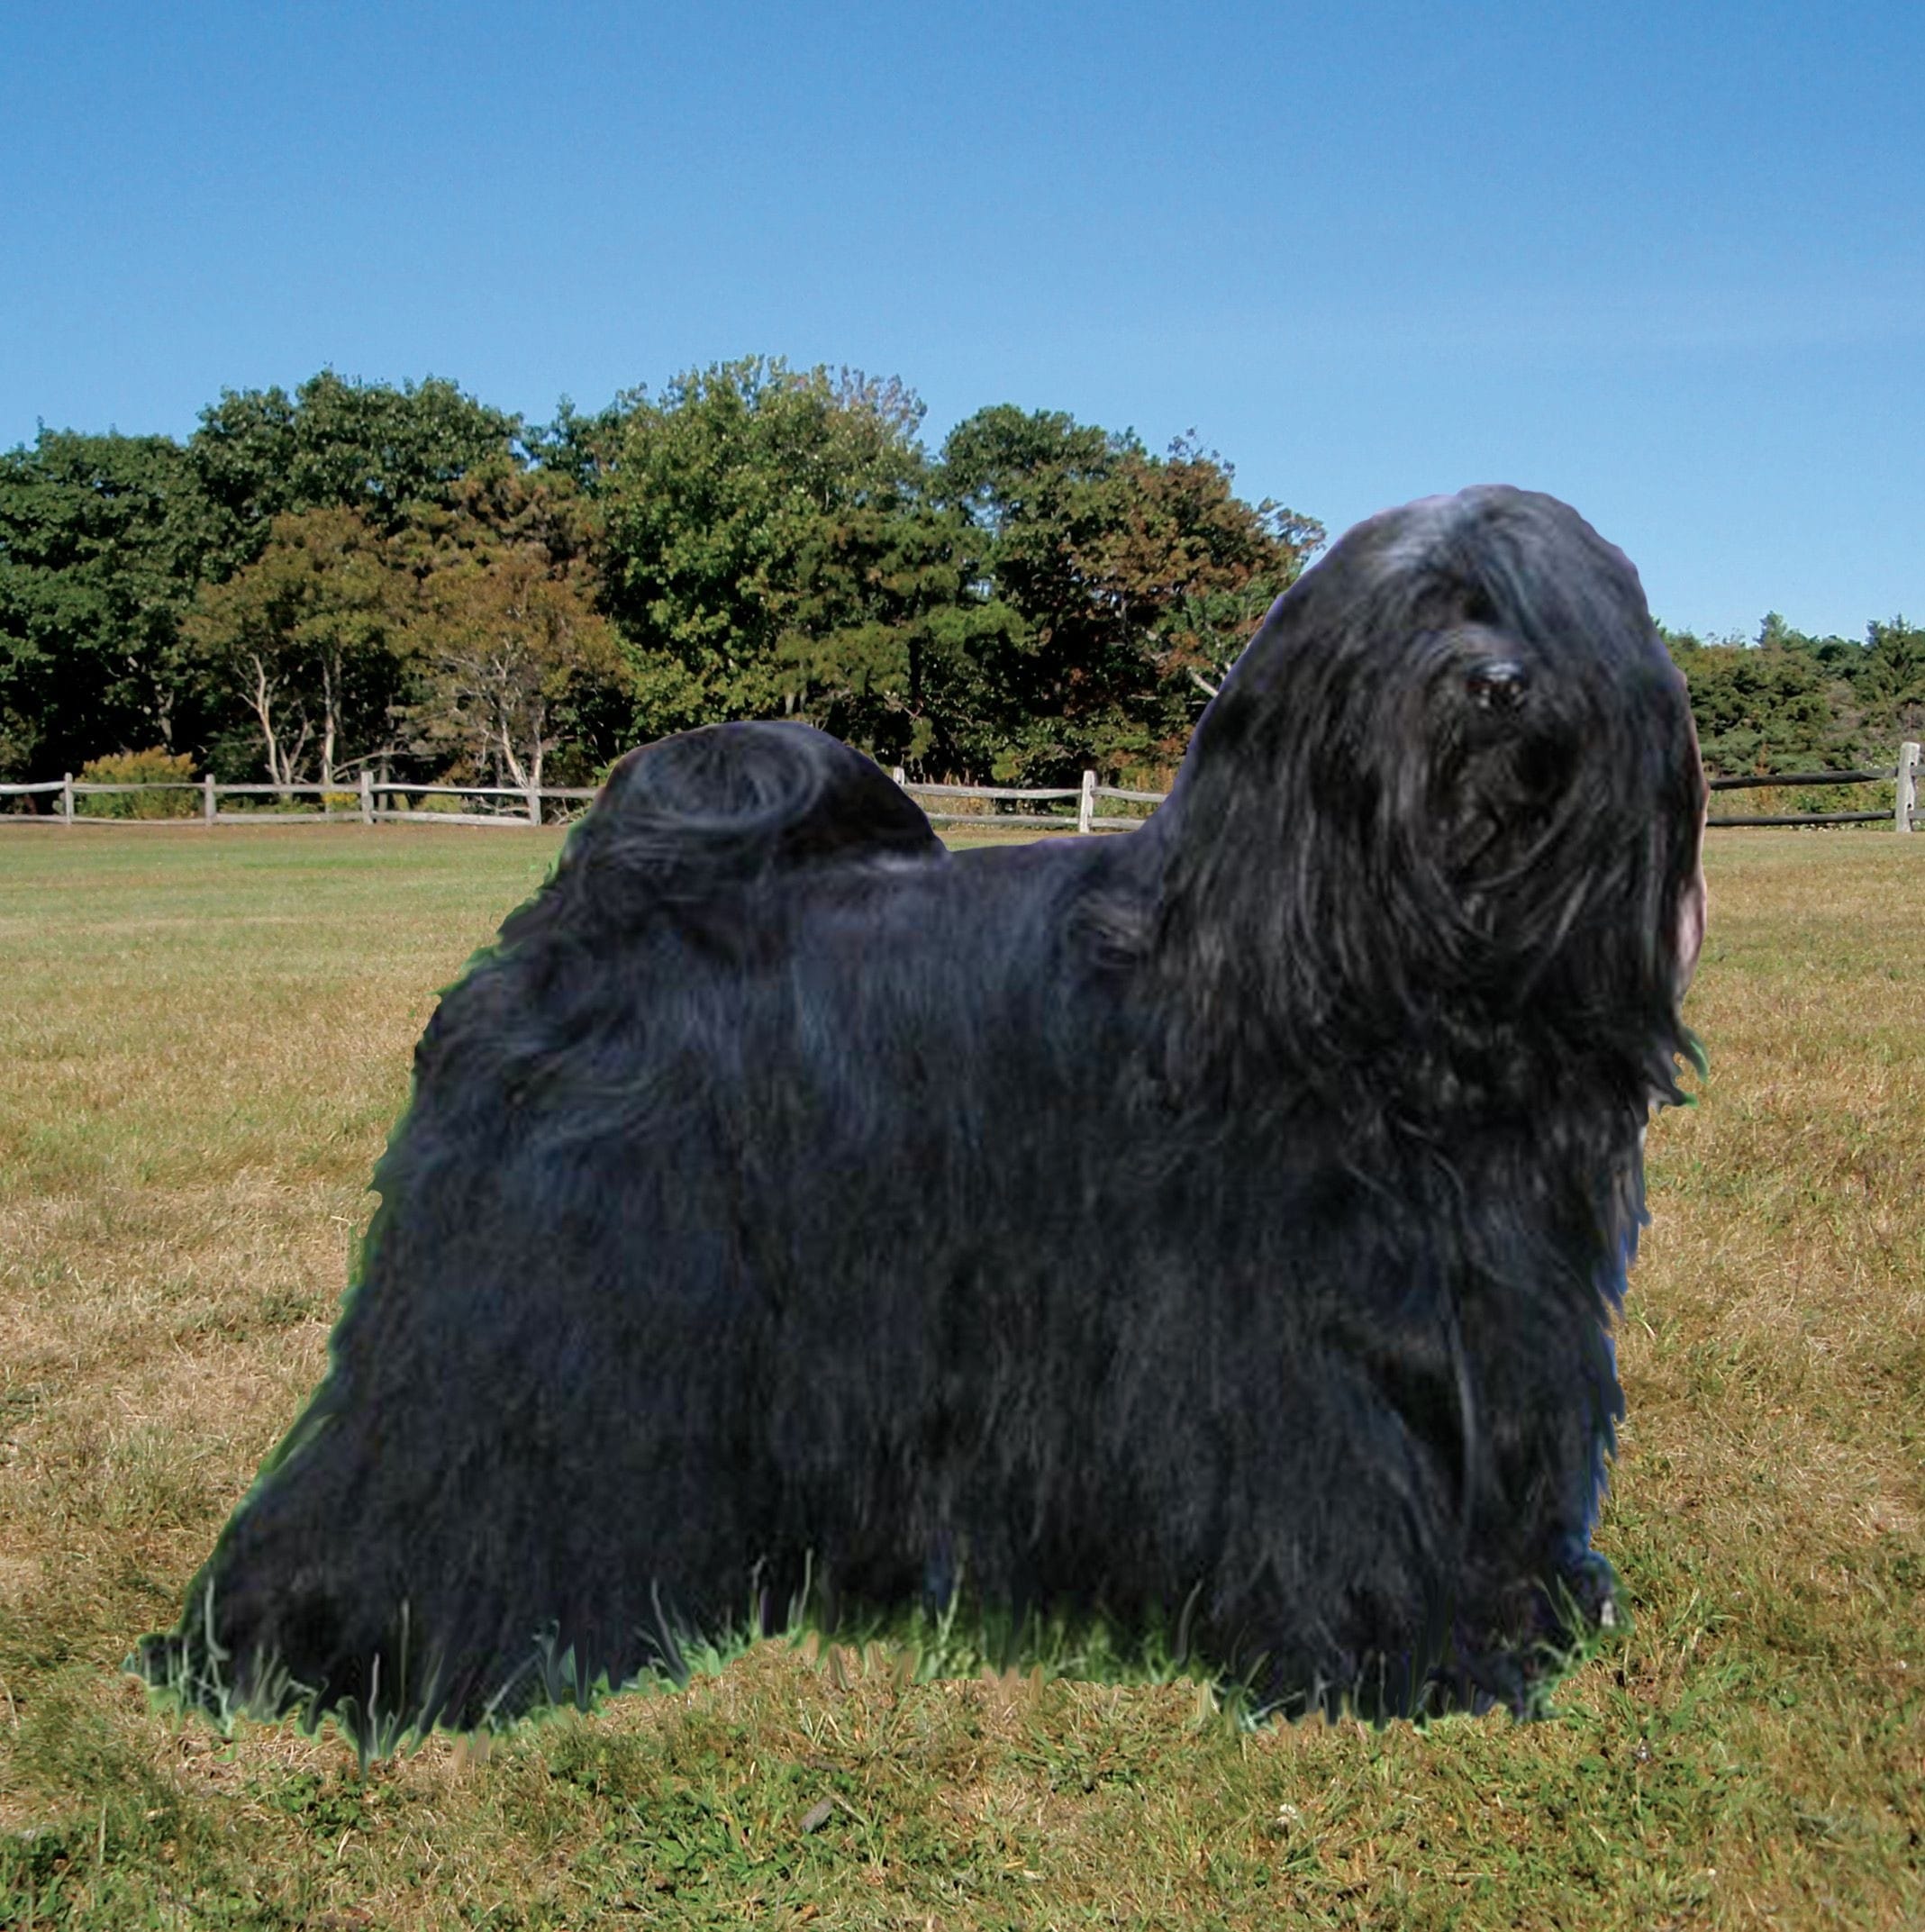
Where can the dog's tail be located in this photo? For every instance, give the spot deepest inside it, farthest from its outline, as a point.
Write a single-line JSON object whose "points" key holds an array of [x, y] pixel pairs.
{"points": [[691, 825]]}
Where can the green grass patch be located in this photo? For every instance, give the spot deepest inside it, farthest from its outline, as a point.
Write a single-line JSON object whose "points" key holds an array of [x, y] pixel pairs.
{"points": [[205, 1038]]}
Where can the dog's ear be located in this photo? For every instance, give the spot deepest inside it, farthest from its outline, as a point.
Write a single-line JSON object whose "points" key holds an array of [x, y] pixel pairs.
{"points": [[1693, 901], [1692, 911]]}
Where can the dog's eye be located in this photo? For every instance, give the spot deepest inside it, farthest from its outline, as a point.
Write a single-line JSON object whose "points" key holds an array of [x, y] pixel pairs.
{"points": [[1497, 687]]}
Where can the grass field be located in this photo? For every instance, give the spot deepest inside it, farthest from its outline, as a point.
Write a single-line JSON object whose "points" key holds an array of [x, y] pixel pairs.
{"points": [[203, 1041]]}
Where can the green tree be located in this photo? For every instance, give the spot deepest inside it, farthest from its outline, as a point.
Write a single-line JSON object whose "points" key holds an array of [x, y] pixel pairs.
{"points": [[505, 651], [1188, 564], [771, 553], [308, 639], [1756, 709], [377, 449], [513, 661], [1835, 653], [1889, 680], [370, 448], [101, 541], [1793, 698], [1133, 578], [584, 449], [242, 456]]}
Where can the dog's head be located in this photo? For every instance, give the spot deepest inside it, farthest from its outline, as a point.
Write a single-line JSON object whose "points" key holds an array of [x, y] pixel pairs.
{"points": [[1449, 797]]}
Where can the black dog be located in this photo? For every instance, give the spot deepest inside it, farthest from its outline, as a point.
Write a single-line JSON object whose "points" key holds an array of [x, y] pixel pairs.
{"points": [[1220, 1225]]}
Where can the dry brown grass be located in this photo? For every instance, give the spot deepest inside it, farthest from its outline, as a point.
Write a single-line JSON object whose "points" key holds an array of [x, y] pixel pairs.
{"points": [[203, 1039]]}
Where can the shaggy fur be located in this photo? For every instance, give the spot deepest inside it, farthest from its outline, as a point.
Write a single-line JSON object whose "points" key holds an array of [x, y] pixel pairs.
{"points": [[1222, 1223]]}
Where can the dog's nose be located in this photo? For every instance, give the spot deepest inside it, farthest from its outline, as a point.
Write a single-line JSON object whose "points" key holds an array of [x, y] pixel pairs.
{"points": [[1498, 686]]}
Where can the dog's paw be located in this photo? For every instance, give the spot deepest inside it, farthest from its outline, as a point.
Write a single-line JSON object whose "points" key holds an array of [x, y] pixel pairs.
{"points": [[1580, 1601]]}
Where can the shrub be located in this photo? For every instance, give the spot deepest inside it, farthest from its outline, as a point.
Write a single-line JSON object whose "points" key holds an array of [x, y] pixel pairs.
{"points": [[139, 767]]}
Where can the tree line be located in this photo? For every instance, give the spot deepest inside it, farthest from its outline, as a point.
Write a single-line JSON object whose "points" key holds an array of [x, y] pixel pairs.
{"points": [[404, 579], [1787, 701], [360, 575]]}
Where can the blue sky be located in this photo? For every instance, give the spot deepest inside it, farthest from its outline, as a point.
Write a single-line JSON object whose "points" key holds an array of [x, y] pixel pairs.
{"points": [[1666, 261]]}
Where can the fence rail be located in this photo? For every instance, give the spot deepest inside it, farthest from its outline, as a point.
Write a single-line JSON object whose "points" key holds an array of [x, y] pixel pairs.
{"points": [[1903, 777], [340, 803], [362, 801]]}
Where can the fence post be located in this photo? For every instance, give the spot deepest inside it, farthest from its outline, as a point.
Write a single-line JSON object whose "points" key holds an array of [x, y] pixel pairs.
{"points": [[207, 805], [367, 796], [1086, 803], [534, 804], [66, 799], [1908, 786], [896, 772]]}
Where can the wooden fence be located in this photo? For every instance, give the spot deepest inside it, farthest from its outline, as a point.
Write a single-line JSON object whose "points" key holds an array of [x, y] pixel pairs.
{"points": [[368, 800], [1084, 819], [1903, 814], [372, 801]]}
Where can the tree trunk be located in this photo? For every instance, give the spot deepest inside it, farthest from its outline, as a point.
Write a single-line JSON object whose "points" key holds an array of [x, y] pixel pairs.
{"points": [[510, 763], [330, 713], [262, 701]]}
